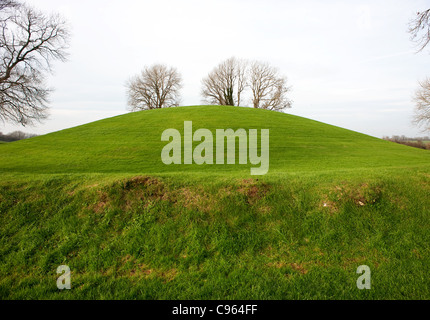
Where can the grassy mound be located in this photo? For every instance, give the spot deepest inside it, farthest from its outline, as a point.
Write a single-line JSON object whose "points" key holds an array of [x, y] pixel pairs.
{"points": [[132, 143], [98, 199]]}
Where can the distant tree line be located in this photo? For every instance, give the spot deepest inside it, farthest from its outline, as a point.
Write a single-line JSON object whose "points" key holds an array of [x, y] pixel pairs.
{"points": [[158, 86], [15, 136], [419, 142]]}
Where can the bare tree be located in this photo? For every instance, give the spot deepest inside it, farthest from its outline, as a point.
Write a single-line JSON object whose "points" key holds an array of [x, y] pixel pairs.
{"points": [[156, 87], [422, 105], [226, 83], [29, 42], [269, 89], [419, 28]]}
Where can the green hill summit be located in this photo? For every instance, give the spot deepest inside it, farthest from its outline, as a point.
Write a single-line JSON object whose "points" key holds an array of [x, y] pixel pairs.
{"points": [[132, 143]]}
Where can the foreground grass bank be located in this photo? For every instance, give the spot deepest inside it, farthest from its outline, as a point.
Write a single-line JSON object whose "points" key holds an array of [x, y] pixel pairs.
{"points": [[290, 236]]}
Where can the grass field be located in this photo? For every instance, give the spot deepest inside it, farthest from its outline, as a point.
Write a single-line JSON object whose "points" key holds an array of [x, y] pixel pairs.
{"points": [[99, 199]]}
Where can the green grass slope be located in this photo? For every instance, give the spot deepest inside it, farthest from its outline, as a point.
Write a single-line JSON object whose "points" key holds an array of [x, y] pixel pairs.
{"points": [[132, 143], [99, 199]]}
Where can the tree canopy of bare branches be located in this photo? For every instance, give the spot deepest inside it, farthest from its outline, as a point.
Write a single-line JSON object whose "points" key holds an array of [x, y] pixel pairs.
{"points": [[228, 82], [156, 87], [29, 42], [269, 89], [422, 105], [419, 28], [225, 84]]}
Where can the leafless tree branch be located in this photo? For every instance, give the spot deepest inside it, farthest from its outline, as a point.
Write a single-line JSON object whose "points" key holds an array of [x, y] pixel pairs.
{"points": [[419, 28]]}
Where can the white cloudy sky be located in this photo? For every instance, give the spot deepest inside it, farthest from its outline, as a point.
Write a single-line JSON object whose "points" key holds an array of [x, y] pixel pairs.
{"points": [[350, 63]]}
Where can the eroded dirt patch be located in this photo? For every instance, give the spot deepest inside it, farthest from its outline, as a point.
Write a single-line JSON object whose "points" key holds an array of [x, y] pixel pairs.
{"points": [[102, 204], [253, 190], [142, 181], [142, 190]]}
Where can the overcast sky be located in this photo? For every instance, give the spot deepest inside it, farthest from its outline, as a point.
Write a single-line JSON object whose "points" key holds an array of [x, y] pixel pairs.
{"points": [[350, 63]]}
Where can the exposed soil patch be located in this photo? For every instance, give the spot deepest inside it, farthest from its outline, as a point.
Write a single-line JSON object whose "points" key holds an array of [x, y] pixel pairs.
{"points": [[152, 187], [253, 190], [102, 204], [142, 190]]}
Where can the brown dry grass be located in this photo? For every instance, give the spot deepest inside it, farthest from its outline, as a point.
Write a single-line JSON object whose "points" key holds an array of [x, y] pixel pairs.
{"points": [[361, 195], [195, 199]]}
